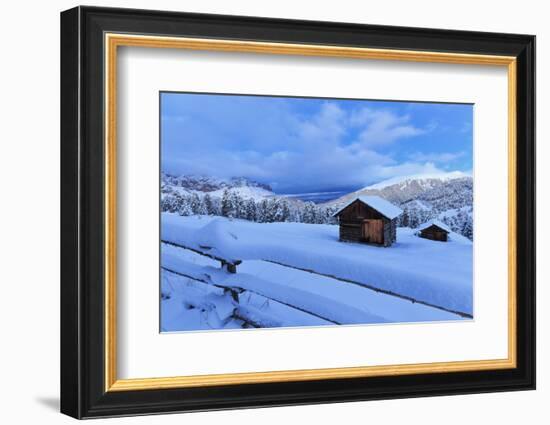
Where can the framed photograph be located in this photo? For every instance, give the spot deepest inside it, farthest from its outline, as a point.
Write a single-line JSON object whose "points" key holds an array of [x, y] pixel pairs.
{"points": [[261, 212]]}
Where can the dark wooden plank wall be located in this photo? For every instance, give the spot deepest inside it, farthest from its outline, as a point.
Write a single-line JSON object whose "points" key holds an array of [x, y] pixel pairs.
{"points": [[351, 219], [351, 232], [434, 233]]}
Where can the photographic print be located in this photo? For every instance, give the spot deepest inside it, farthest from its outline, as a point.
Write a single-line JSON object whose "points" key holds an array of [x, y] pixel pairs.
{"points": [[281, 211], [261, 184]]}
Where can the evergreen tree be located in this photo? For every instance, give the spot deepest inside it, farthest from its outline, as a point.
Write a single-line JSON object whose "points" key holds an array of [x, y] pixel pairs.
{"points": [[216, 206], [184, 207], [202, 208], [405, 219], [208, 204], [309, 214], [250, 210], [275, 210], [262, 211], [327, 213], [269, 211], [238, 205], [296, 214], [168, 204], [285, 210], [467, 229], [332, 211], [195, 203], [227, 209], [320, 215], [177, 203]]}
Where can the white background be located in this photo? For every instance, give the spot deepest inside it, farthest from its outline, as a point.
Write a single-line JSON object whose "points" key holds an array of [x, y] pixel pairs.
{"points": [[29, 174], [141, 346]]}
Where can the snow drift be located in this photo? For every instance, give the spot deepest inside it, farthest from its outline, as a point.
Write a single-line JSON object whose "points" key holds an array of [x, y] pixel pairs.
{"points": [[431, 272]]}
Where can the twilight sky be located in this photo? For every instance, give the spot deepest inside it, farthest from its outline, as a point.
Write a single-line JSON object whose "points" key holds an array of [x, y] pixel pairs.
{"points": [[308, 145]]}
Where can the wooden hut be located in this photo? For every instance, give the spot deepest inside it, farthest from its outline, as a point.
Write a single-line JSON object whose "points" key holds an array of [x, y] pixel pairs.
{"points": [[368, 219], [434, 230]]}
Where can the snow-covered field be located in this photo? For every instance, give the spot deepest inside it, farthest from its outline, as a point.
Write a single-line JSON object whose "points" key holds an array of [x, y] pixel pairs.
{"points": [[296, 274]]}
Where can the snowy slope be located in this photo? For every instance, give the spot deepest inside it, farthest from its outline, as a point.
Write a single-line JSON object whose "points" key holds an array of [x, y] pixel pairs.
{"points": [[439, 274], [215, 187], [445, 196], [323, 305], [417, 204], [404, 189], [423, 179], [190, 304], [245, 192]]}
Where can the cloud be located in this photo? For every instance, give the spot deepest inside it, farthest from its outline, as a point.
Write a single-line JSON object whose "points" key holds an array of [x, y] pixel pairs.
{"points": [[408, 169], [382, 127], [292, 144], [443, 157]]}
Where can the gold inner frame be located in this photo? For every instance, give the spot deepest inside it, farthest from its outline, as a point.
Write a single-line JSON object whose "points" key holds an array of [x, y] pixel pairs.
{"points": [[113, 41]]}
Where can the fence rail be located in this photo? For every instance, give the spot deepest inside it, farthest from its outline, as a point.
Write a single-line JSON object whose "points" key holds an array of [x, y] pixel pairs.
{"points": [[235, 291], [374, 288], [229, 265]]}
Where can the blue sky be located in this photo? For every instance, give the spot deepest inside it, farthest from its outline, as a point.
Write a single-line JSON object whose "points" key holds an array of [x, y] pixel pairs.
{"points": [[308, 144]]}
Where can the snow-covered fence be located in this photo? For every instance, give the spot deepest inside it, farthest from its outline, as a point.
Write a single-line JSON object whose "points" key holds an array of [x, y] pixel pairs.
{"points": [[374, 288], [217, 308], [316, 305], [227, 264], [231, 290], [235, 291]]}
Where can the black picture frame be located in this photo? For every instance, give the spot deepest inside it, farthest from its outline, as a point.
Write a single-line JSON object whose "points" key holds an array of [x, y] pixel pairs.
{"points": [[83, 392]]}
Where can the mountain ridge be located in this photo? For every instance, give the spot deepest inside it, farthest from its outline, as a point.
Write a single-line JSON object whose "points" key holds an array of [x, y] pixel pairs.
{"points": [[407, 188], [447, 197], [444, 176], [204, 183]]}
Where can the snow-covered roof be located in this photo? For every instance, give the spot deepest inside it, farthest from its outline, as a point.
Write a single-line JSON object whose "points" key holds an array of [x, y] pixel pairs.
{"points": [[437, 223], [387, 209]]}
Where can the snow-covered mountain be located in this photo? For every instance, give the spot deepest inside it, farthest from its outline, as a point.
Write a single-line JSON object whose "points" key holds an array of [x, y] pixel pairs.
{"points": [[236, 197], [214, 186], [406, 188], [447, 197], [421, 179]]}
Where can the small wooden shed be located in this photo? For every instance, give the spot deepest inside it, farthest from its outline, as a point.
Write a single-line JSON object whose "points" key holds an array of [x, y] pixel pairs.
{"points": [[434, 230], [368, 219]]}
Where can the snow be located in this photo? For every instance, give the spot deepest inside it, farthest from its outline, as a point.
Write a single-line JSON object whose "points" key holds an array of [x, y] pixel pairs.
{"points": [[184, 310], [179, 313], [453, 212], [388, 308], [325, 307], [384, 207], [189, 304], [431, 272], [245, 192], [417, 204], [435, 222], [401, 179], [215, 187]]}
